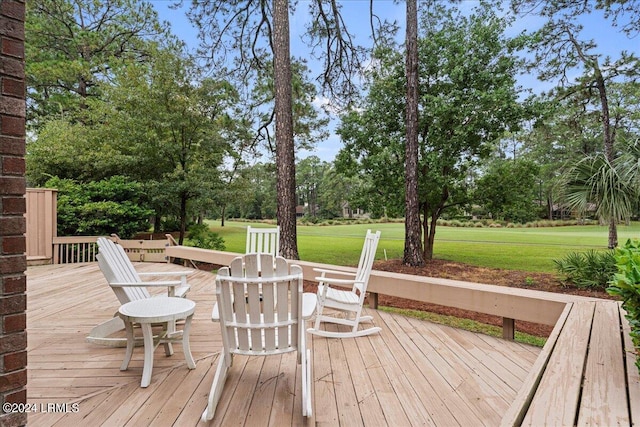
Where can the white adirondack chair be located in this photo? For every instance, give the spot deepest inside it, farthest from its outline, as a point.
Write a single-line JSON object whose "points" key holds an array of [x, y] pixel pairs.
{"points": [[262, 313], [259, 241], [127, 284], [346, 302]]}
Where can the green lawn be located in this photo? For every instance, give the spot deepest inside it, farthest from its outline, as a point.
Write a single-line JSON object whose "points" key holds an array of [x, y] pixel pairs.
{"points": [[529, 249]]}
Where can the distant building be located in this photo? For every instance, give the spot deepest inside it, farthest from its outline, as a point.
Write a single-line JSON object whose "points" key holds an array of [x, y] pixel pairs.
{"points": [[347, 212]]}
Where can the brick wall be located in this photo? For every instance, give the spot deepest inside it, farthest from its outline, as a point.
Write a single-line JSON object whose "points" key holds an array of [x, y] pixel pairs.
{"points": [[13, 262]]}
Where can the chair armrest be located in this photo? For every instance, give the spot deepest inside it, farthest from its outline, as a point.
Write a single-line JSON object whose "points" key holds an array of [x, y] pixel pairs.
{"points": [[182, 274], [171, 286], [336, 272], [215, 313], [170, 283], [334, 281], [166, 273], [309, 304]]}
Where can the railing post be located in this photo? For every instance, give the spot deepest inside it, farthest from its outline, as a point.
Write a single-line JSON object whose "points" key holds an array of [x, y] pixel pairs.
{"points": [[373, 300], [508, 328]]}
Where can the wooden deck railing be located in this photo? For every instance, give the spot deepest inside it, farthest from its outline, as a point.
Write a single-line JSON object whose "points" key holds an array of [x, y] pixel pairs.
{"points": [[70, 250], [510, 303]]}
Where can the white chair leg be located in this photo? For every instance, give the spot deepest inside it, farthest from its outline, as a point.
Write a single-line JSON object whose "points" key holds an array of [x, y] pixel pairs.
{"points": [[217, 387], [319, 311], [307, 382]]}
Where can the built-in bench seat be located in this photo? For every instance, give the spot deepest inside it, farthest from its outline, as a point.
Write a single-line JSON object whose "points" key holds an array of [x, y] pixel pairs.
{"points": [[585, 374]]}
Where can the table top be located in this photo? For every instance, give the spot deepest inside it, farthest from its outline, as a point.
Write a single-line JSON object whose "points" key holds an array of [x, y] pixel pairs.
{"points": [[157, 309]]}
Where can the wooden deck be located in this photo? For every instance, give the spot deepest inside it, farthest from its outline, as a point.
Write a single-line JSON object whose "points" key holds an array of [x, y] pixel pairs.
{"points": [[412, 373]]}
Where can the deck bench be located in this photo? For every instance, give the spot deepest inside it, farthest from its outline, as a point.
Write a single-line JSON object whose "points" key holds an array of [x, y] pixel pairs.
{"points": [[585, 373]]}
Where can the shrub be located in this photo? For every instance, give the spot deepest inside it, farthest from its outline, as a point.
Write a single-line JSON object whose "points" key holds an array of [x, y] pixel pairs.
{"points": [[113, 205], [591, 269], [201, 237], [626, 285]]}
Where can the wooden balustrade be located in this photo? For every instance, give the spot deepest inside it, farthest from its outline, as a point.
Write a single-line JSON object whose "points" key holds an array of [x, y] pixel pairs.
{"points": [[75, 249]]}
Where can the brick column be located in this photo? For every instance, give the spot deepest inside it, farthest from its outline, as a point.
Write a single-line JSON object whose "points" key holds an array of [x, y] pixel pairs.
{"points": [[13, 260]]}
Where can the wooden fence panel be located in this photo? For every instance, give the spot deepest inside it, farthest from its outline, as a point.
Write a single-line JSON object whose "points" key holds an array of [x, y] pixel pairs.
{"points": [[41, 221]]}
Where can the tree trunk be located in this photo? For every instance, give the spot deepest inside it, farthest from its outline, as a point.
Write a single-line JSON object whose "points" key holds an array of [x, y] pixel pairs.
{"points": [[183, 218], [613, 234], [285, 151], [157, 223], [223, 212], [428, 233], [412, 228], [608, 146]]}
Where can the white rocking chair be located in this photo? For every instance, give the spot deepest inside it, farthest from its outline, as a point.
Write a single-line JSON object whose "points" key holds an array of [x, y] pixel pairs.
{"points": [[261, 314], [348, 302], [263, 241], [128, 286]]}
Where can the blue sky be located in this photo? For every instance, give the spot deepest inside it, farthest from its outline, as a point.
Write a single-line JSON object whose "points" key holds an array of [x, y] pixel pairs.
{"points": [[354, 10], [609, 41]]}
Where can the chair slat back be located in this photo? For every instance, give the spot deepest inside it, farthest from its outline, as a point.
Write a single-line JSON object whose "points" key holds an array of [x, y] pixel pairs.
{"points": [[260, 311], [263, 240], [117, 268], [117, 255], [367, 257]]}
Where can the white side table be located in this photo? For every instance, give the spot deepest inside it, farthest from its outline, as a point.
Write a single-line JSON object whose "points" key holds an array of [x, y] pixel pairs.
{"points": [[157, 310]]}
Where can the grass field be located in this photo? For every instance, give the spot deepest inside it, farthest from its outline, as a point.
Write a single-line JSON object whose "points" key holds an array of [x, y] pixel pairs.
{"points": [[528, 249]]}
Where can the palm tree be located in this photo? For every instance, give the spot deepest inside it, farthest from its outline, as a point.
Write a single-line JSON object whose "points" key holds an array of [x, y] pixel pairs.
{"points": [[613, 186]]}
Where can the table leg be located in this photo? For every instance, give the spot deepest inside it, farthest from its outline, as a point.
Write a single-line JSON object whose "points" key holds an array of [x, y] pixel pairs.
{"points": [[131, 343], [171, 329], [186, 346], [149, 347]]}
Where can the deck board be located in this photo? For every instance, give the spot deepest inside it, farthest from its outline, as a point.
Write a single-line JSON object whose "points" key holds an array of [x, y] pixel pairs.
{"points": [[448, 360], [604, 372], [412, 373], [391, 385], [440, 382], [558, 403]]}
